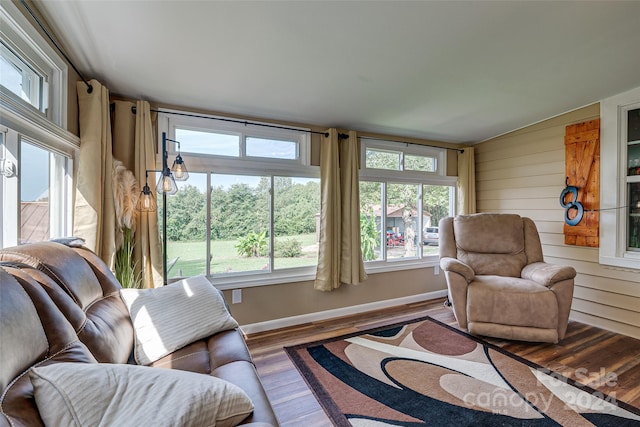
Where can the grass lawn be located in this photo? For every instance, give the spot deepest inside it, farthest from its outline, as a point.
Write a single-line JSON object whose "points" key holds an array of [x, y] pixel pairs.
{"points": [[188, 258]]}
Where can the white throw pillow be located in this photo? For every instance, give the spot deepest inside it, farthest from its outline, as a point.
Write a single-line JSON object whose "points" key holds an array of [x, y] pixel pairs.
{"points": [[168, 318], [103, 394]]}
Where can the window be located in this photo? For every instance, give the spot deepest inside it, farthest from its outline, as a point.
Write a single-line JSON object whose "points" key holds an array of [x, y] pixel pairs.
{"points": [[253, 203], [399, 160], [246, 142], [620, 193], [403, 195], [36, 191], [33, 77], [36, 152], [20, 78]]}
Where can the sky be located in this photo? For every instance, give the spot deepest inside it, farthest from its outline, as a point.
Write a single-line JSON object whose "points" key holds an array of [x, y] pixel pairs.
{"points": [[34, 172]]}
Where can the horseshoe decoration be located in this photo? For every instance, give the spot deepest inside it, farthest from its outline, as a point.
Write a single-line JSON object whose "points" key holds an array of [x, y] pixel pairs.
{"points": [[573, 204]]}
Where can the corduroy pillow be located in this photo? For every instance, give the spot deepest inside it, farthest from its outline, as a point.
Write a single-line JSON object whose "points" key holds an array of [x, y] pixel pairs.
{"points": [[104, 394], [168, 318]]}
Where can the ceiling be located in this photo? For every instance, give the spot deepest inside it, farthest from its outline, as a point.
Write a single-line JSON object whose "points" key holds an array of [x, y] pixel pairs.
{"points": [[452, 71]]}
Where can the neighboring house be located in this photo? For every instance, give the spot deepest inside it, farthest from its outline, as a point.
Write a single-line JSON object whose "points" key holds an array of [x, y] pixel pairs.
{"points": [[394, 217]]}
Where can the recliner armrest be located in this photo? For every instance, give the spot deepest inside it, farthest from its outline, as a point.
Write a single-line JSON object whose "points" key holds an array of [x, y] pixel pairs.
{"points": [[457, 266], [547, 274]]}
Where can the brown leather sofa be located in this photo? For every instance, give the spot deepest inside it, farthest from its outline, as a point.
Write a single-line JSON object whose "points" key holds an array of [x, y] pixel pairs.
{"points": [[60, 303]]}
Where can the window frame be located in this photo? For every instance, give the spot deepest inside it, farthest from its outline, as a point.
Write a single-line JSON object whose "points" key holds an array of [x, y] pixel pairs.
{"points": [[387, 176], [170, 120], [440, 154], [25, 42], [21, 121], [60, 186], [614, 180]]}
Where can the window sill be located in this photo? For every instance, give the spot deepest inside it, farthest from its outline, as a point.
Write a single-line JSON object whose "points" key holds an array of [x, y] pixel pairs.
{"points": [[306, 275], [631, 261], [254, 280], [384, 267]]}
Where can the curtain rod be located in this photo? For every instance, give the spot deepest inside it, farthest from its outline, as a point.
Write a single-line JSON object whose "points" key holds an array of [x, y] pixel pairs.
{"points": [[326, 134], [57, 46], [224, 119], [460, 150]]}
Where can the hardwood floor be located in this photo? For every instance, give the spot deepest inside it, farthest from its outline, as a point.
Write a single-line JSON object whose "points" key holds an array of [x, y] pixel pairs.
{"points": [[604, 360]]}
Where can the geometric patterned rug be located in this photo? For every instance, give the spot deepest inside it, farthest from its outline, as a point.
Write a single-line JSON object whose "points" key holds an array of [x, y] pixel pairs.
{"points": [[428, 373]]}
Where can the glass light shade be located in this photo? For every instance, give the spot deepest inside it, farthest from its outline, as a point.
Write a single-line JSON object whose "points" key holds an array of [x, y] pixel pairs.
{"points": [[179, 169], [166, 183], [146, 201]]}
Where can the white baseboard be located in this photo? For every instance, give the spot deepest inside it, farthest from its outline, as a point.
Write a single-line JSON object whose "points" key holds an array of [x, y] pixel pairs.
{"points": [[284, 322]]}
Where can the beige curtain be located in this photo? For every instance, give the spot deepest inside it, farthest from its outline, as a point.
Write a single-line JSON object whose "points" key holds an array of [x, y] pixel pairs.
{"points": [[340, 254], [466, 182], [148, 248], [134, 145], [94, 213]]}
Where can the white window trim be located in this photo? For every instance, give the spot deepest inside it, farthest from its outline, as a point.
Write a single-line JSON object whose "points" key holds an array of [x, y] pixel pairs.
{"points": [[613, 173], [21, 36]]}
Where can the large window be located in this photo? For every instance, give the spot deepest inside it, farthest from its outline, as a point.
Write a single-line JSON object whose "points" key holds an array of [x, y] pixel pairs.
{"points": [[36, 152], [249, 211], [403, 195], [620, 193]]}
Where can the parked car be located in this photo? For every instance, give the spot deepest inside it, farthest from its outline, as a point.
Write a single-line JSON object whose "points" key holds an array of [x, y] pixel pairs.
{"points": [[430, 236]]}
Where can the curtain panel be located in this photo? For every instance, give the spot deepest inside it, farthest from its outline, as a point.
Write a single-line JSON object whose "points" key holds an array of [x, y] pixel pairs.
{"points": [[113, 142], [340, 255], [147, 251], [134, 144], [94, 213], [466, 182]]}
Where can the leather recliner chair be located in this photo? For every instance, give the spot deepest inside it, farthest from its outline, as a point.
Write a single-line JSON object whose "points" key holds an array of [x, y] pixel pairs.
{"points": [[498, 282]]}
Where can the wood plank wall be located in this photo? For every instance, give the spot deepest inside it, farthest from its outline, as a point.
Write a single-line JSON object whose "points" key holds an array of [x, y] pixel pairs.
{"points": [[523, 172]]}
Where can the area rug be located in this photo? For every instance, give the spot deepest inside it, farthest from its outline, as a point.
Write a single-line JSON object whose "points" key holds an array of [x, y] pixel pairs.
{"points": [[428, 373]]}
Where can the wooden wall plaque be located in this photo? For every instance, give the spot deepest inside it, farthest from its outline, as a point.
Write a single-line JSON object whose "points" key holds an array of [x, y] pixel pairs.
{"points": [[582, 167]]}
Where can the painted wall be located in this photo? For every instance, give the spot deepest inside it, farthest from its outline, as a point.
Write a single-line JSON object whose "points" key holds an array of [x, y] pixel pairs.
{"points": [[523, 172], [273, 302]]}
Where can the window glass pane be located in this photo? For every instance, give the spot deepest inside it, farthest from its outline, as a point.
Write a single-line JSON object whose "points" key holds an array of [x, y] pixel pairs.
{"points": [[271, 148], [371, 220], [634, 217], [219, 144], [296, 215], [382, 159], [419, 163], [402, 220], [436, 203], [186, 227], [239, 223], [19, 78], [34, 194]]}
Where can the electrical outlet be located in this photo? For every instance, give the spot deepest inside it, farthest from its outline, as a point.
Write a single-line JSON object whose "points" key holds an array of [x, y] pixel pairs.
{"points": [[236, 296], [436, 270]]}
